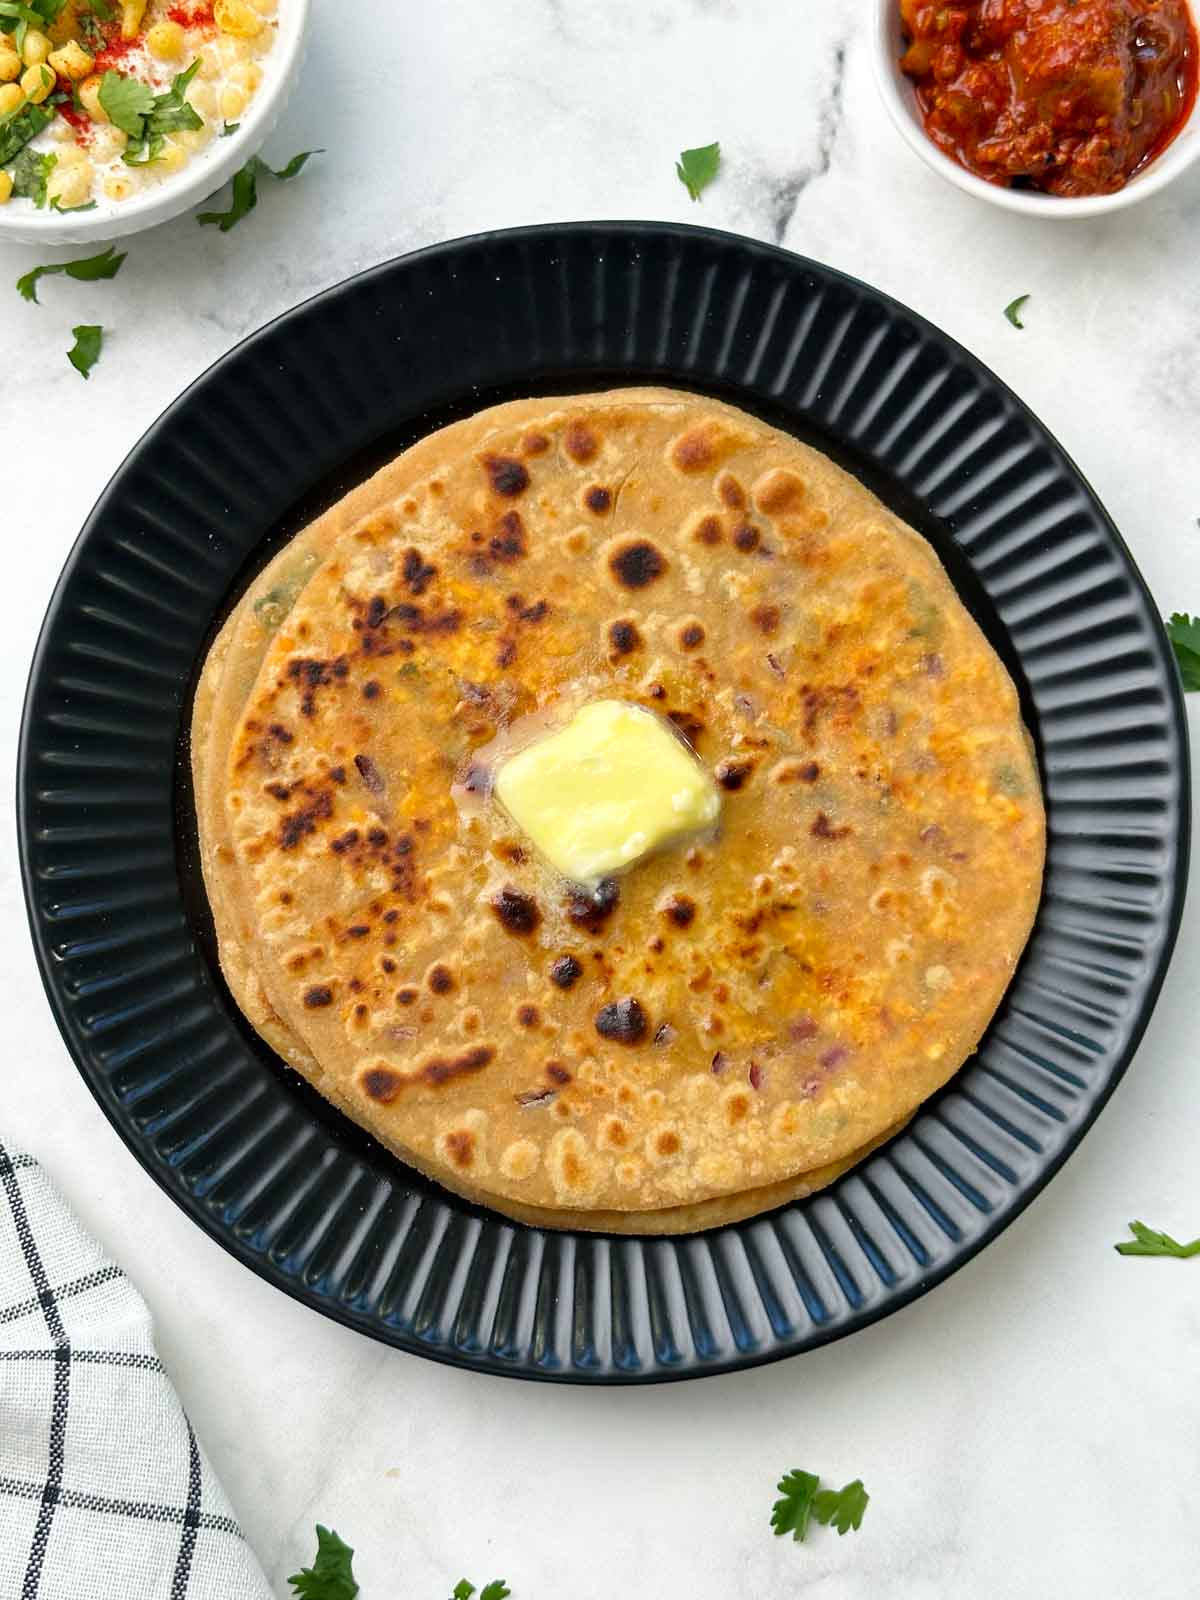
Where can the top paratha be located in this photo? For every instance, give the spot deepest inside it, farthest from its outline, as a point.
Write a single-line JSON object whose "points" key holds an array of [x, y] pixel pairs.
{"points": [[803, 981]]}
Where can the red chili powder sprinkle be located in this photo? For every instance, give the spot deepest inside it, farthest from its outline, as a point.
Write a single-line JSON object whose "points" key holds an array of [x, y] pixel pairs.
{"points": [[192, 16], [79, 120], [115, 51]]}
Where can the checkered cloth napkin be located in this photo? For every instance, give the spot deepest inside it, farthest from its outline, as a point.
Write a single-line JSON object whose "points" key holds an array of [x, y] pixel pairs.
{"points": [[104, 1492]]}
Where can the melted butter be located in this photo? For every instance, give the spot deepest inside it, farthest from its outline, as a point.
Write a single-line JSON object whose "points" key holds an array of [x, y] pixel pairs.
{"points": [[610, 787]]}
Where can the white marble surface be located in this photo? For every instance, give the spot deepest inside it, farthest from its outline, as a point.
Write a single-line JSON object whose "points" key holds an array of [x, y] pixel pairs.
{"points": [[1030, 1427]]}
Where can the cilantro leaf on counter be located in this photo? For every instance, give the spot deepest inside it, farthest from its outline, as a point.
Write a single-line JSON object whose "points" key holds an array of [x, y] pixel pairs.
{"points": [[803, 1499], [843, 1507], [245, 189], [127, 101], [85, 353], [1013, 310], [1184, 634], [496, 1590], [791, 1514], [330, 1577], [1146, 1242], [88, 270], [697, 168]]}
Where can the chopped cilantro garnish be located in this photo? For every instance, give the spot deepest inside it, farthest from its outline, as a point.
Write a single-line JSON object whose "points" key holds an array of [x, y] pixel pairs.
{"points": [[19, 127], [230, 127], [245, 189], [1146, 1242], [30, 173], [68, 211], [87, 270], [86, 350], [331, 1576], [1013, 310], [127, 101], [148, 117], [1184, 634], [697, 168]]}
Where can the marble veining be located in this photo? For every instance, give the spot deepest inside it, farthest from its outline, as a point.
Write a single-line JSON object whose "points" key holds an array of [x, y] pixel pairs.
{"points": [[1027, 1429]]}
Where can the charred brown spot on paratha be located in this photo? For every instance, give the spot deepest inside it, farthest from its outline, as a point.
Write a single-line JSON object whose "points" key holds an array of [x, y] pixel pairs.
{"points": [[440, 979], [624, 638], [622, 1021], [580, 443], [408, 996], [591, 909], [680, 909], [637, 564], [518, 913], [612, 1134], [766, 618], [319, 995], [689, 725], [696, 450], [729, 491], [565, 971], [416, 573], [372, 689], [507, 543], [598, 500], [527, 1016], [778, 492], [708, 530], [381, 1084], [733, 772], [506, 475], [534, 444], [460, 1147], [531, 612], [746, 537], [311, 675], [791, 771], [838, 703], [691, 634], [822, 828], [299, 824]]}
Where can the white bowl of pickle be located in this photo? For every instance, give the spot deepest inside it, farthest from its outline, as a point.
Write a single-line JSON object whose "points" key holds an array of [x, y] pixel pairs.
{"points": [[116, 115]]}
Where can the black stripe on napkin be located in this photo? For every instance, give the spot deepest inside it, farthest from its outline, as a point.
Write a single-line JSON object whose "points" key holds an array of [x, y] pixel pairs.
{"points": [[140, 1510], [68, 1291], [62, 1375], [191, 1520]]}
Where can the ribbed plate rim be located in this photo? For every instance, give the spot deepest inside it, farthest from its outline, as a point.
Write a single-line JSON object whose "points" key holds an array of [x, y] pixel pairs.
{"points": [[485, 1361]]}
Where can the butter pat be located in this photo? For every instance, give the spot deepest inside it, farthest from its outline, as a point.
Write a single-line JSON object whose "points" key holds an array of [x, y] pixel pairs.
{"points": [[606, 790]]}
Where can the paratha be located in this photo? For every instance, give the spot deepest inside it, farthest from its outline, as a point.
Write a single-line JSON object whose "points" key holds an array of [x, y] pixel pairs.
{"points": [[797, 985], [230, 671]]}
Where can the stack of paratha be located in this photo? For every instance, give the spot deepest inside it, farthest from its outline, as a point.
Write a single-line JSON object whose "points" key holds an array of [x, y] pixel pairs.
{"points": [[790, 988]]}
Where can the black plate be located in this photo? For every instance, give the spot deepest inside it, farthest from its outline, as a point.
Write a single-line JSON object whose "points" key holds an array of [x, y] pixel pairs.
{"points": [[279, 429]]}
